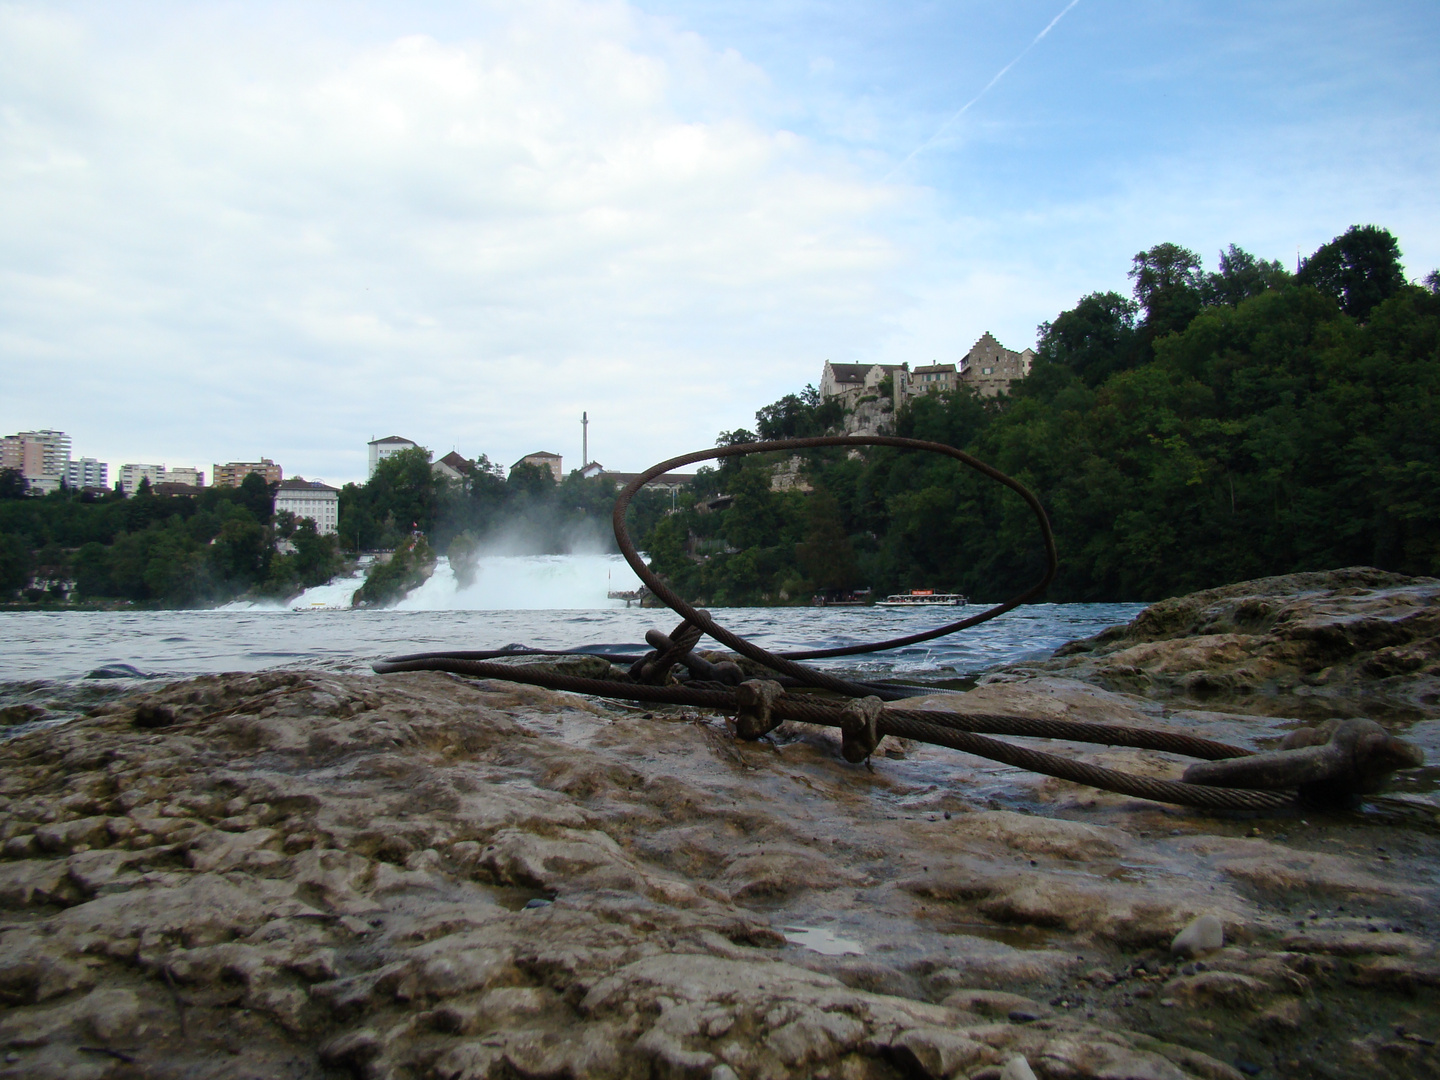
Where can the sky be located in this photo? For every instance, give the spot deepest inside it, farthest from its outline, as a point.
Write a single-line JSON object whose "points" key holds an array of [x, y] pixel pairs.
{"points": [[231, 230]]}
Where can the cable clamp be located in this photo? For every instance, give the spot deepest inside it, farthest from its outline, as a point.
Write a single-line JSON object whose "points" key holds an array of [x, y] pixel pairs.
{"points": [[754, 700], [1330, 765], [859, 735]]}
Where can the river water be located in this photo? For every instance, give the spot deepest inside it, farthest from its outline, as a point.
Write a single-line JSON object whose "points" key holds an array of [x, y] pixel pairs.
{"points": [[64, 660]]}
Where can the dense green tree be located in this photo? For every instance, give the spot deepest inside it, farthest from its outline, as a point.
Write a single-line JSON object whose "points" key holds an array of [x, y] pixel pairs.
{"points": [[1094, 340], [826, 556], [13, 484], [1241, 276], [16, 565], [1170, 287], [1271, 432], [1359, 269], [797, 416]]}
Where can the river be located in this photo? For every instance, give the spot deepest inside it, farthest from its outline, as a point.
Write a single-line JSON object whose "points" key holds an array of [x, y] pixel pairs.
{"points": [[62, 661]]}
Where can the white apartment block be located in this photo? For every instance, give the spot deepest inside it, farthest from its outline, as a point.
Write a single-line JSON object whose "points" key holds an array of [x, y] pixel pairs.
{"points": [[311, 499], [87, 472], [132, 474], [380, 449], [189, 477]]}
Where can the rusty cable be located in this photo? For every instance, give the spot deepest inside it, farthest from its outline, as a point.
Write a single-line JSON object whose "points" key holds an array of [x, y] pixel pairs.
{"points": [[964, 732]]}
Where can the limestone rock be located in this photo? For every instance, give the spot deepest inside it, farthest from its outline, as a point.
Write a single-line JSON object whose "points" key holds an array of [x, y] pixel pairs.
{"points": [[1205, 934], [430, 876]]}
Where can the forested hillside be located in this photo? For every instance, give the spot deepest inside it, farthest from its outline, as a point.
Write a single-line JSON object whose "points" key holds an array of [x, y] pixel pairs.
{"points": [[1211, 428], [222, 543]]}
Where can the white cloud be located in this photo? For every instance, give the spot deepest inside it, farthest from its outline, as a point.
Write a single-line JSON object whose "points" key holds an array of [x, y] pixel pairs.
{"points": [[237, 246]]}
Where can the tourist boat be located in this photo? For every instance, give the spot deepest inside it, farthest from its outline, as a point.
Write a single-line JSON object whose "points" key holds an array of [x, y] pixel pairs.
{"points": [[843, 598], [923, 598]]}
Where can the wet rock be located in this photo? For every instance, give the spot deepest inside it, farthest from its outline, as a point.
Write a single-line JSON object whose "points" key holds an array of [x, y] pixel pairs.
{"points": [[1017, 1068], [1228, 989], [423, 875], [995, 1003], [1350, 642], [1205, 934], [25, 713]]}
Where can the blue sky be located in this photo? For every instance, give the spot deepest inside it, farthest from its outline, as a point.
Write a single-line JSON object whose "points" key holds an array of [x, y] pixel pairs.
{"points": [[231, 230]]}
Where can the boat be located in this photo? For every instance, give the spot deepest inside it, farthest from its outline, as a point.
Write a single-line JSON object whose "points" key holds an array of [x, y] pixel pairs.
{"points": [[923, 598], [842, 598]]}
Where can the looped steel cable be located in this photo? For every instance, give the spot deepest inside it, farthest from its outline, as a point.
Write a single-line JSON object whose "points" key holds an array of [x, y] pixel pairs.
{"points": [[965, 732], [785, 662]]}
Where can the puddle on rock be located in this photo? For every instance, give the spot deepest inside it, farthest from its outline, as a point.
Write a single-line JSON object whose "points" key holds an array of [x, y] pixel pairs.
{"points": [[826, 942]]}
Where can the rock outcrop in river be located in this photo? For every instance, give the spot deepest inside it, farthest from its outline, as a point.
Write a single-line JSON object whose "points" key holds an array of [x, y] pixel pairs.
{"points": [[305, 875]]}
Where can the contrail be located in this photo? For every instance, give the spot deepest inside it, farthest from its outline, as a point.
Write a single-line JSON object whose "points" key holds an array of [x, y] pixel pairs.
{"points": [[985, 90]]}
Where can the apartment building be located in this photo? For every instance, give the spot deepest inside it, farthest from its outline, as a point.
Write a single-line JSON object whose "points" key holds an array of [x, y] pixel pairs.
{"points": [[87, 473], [233, 474], [545, 459], [42, 457], [380, 449], [311, 499]]}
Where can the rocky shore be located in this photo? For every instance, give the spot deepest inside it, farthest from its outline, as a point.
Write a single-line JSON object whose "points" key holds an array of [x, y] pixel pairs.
{"points": [[301, 874]]}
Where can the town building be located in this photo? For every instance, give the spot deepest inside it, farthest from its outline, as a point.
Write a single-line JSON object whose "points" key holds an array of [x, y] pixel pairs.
{"points": [[132, 473], [851, 382], [453, 466], [380, 449], [311, 499], [990, 367], [233, 474], [547, 459], [929, 379], [670, 481], [185, 476], [41, 457], [87, 473]]}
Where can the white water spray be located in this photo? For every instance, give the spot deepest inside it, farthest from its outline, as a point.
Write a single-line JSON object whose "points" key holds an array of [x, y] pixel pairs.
{"points": [[526, 583]]}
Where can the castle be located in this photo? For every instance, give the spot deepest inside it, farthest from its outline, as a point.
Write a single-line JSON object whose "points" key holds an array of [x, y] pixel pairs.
{"points": [[988, 367]]}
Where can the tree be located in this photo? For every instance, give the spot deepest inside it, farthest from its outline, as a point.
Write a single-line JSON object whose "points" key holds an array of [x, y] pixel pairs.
{"points": [[13, 484], [257, 496], [826, 555], [405, 487], [1359, 269], [528, 478], [754, 519], [797, 416], [1168, 284], [1241, 276], [16, 564], [1095, 339]]}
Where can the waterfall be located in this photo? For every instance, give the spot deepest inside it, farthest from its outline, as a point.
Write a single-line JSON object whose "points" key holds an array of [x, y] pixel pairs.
{"points": [[526, 582]]}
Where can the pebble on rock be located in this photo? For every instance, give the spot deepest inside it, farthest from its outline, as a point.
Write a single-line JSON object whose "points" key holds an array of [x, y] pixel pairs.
{"points": [[1017, 1068], [1205, 934]]}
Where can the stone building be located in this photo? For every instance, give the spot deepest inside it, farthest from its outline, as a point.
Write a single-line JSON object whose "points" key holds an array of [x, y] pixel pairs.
{"points": [[188, 477], [990, 367], [851, 382], [929, 379]]}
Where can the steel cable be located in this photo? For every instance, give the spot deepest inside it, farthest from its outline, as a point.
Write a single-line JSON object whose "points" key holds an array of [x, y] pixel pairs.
{"points": [[964, 732]]}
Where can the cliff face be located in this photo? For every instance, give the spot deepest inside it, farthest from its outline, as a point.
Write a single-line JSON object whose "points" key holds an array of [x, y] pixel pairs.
{"points": [[303, 874]]}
